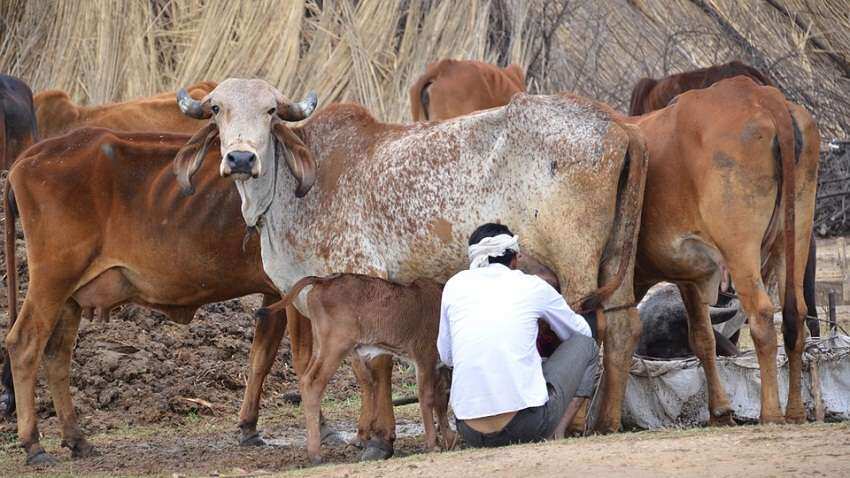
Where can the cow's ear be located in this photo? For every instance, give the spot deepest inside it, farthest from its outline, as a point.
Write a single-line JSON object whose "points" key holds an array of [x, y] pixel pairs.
{"points": [[299, 160], [191, 155]]}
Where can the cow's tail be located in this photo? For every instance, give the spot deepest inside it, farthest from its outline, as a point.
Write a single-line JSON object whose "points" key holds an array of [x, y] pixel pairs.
{"points": [[9, 212], [419, 98], [3, 140], [639, 93], [785, 135], [627, 217]]}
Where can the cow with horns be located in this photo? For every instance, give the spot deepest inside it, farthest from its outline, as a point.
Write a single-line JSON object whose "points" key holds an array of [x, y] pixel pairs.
{"points": [[397, 201]]}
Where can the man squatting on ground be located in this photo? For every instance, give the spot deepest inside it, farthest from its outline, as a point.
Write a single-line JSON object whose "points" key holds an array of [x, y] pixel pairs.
{"points": [[501, 391]]}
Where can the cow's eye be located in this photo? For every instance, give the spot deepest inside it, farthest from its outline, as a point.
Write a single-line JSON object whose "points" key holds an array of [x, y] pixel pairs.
{"points": [[272, 111], [215, 109]]}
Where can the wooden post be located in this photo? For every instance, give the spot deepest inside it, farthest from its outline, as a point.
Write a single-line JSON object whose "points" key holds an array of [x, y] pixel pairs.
{"points": [[833, 323]]}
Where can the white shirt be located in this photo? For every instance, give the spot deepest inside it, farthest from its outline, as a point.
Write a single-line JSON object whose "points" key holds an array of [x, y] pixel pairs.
{"points": [[488, 333]]}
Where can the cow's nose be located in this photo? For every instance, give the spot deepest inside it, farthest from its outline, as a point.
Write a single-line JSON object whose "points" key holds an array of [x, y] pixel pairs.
{"points": [[241, 161]]}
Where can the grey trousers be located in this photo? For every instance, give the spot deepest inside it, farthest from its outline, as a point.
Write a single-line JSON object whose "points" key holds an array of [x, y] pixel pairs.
{"points": [[570, 372]]}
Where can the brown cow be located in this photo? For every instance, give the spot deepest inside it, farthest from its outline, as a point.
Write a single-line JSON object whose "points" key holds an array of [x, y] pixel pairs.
{"points": [[181, 253], [397, 201], [373, 317], [732, 144], [451, 88], [17, 133], [57, 114], [650, 94]]}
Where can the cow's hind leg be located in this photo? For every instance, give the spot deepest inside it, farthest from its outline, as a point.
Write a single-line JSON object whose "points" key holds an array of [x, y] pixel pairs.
{"points": [[701, 338], [26, 342], [622, 333], [57, 361], [268, 332], [759, 309], [793, 332]]}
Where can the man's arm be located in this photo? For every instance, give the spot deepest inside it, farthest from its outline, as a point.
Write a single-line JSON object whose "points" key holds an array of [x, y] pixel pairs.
{"points": [[560, 317], [444, 337]]}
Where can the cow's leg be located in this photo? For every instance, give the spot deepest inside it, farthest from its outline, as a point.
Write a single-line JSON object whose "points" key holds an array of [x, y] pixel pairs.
{"points": [[312, 384], [622, 333], [25, 342], [759, 309], [268, 333], [380, 445], [7, 400], [57, 364], [701, 338], [793, 332], [425, 382]]}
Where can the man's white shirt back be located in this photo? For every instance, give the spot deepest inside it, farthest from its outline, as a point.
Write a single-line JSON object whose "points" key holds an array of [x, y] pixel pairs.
{"points": [[488, 334]]}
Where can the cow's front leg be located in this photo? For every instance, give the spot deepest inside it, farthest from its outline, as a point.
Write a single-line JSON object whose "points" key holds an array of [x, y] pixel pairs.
{"points": [[268, 333]]}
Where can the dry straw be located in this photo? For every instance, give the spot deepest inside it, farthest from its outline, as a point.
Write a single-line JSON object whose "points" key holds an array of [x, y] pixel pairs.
{"points": [[370, 51]]}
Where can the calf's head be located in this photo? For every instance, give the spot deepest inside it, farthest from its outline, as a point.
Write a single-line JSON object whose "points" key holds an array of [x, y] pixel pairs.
{"points": [[248, 117]]}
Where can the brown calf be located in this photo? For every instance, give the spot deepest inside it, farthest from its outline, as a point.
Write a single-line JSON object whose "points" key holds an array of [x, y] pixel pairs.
{"points": [[451, 88], [372, 316]]}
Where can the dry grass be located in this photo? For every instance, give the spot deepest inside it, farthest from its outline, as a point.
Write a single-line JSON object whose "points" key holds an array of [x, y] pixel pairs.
{"points": [[370, 51]]}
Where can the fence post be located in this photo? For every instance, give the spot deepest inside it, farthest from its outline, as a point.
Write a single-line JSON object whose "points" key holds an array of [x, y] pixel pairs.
{"points": [[833, 322]]}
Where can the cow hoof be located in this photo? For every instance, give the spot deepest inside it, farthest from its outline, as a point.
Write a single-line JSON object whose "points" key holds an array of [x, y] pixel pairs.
{"points": [[772, 420], [252, 440], [41, 458], [376, 450], [722, 418], [796, 417], [82, 449]]}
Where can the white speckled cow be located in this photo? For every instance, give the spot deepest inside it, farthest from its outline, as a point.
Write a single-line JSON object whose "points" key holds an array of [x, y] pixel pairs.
{"points": [[399, 201]]}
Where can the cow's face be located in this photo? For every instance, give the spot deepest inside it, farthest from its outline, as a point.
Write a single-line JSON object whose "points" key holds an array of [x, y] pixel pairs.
{"points": [[248, 117]]}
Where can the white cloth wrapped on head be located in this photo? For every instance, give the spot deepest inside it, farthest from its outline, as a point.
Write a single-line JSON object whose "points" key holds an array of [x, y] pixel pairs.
{"points": [[494, 246]]}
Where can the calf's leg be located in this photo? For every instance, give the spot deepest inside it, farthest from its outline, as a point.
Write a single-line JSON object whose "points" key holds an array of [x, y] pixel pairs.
{"points": [[380, 445], [268, 332], [425, 382], [312, 383]]}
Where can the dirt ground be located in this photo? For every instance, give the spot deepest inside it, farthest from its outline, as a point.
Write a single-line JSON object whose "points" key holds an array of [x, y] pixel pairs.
{"points": [[158, 398]]}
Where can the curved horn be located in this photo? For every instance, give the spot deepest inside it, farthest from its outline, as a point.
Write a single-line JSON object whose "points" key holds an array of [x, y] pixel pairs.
{"points": [[720, 315], [297, 111], [192, 107]]}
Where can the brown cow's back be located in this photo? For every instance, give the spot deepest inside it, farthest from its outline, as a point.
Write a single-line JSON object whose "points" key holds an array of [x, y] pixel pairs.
{"points": [[451, 88], [650, 94], [115, 194], [57, 114]]}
